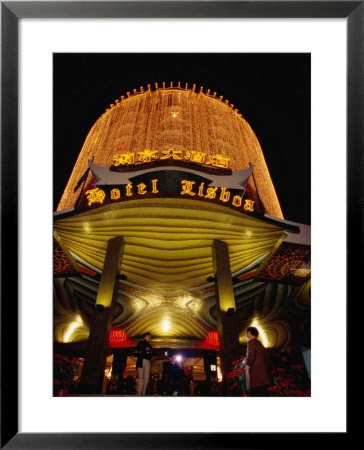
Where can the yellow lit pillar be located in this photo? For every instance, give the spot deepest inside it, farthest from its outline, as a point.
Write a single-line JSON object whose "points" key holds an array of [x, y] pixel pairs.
{"points": [[95, 356], [227, 321]]}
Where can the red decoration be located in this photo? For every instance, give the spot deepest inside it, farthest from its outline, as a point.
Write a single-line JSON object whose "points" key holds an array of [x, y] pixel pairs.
{"points": [[62, 393], [87, 271], [247, 275], [118, 338], [211, 342]]}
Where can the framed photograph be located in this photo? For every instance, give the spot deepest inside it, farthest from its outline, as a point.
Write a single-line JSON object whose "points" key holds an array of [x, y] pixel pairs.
{"points": [[57, 58]]}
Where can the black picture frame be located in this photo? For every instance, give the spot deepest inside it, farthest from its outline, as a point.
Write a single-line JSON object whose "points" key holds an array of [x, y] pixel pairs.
{"points": [[11, 12]]}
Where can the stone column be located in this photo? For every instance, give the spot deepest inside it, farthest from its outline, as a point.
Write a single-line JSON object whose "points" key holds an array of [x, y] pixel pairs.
{"points": [[227, 321], [95, 355]]}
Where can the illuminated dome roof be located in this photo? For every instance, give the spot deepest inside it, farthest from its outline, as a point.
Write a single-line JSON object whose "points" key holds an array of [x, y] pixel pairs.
{"points": [[179, 118]]}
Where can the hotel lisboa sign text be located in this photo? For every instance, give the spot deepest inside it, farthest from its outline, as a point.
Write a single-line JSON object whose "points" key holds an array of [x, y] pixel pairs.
{"points": [[170, 172]]}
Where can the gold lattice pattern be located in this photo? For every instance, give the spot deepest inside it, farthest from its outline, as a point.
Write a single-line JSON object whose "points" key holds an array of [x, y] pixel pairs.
{"points": [[61, 264], [291, 263]]}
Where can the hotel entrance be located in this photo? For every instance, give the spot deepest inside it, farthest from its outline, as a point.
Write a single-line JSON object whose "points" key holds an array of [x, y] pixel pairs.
{"points": [[182, 372]]}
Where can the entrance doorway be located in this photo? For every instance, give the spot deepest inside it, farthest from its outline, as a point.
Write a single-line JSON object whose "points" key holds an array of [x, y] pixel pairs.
{"points": [[190, 372]]}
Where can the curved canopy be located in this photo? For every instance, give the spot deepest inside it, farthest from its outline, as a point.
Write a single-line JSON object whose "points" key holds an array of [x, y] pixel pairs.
{"points": [[167, 241]]}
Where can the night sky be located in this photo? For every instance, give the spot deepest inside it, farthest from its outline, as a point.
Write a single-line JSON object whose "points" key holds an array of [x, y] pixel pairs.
{"points": [[271, 91]]}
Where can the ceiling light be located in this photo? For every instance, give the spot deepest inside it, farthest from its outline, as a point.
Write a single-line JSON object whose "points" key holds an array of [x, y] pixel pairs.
{"points": [[166, 325]]}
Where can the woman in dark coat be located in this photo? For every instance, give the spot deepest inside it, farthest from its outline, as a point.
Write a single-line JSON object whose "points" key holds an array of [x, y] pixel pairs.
{"points": [[258, 365]]}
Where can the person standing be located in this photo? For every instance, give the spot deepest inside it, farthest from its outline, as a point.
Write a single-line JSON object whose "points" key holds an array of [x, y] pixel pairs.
{"points": [[258, 365], [178, 377], [143, 350]]}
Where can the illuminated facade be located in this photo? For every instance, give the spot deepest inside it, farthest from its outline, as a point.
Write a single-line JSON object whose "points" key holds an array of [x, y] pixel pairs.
{"points": [[177, 123], [171, 184]]}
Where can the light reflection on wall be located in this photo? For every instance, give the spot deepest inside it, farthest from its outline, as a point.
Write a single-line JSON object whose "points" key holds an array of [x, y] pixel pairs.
{"points": [[189, 302], [69, 334], [262, 336], [138, 304]]}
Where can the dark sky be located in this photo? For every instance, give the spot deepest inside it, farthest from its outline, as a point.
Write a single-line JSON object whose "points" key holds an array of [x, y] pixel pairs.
{"points": [[271, 91]]}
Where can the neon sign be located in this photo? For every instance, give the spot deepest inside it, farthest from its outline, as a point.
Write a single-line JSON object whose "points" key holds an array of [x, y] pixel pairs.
{"points": [[188, 188], [118, 338], [147, 156], [211, 341], [222, 194], [213, 338], [95, 196]]}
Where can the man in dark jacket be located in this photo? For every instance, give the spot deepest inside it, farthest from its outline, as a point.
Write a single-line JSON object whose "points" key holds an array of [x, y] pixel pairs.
{"points": [[258, 365], [178, 377], [143, 350]]}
